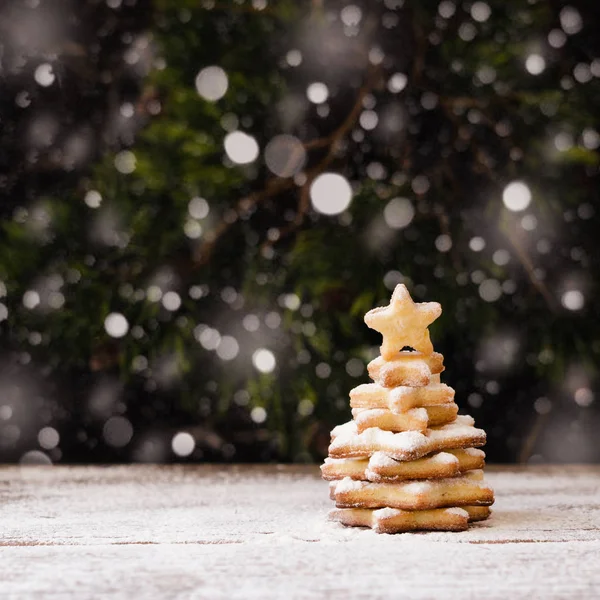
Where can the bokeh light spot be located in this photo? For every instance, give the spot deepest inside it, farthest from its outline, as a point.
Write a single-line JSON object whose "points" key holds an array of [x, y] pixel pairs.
{"points": [[516, 196], [251, 323], [477, 244], [446, 9], [192, 229], [116, 325], [228, 348], [294, 58], [330, 194], [397, 82], [198, 208], [93, 199], [241, 148], [171, 301], [590, 138], [355, 367], [212, 83], [117, 432], [208, 337], [125, 162], [368, 119], [273, 320], [443, 243], [323, 370], [291, 301], [31, 299], [542, 405], [317, 92], [305, 407], [264, 360], [35, 457], [48, 438], [44, 75], [490, 290], [570, 20], [535, 64], [583, 396], [392, 278], [351, 15], [573, 300], [285, 155], [557, 38], [258, 414], [480, 11], [529, 222], [501, 257], [183, 444], [398, 213]]}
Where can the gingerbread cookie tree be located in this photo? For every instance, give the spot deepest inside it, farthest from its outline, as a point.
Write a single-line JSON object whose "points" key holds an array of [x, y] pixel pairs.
{"points": [[406, 461]]}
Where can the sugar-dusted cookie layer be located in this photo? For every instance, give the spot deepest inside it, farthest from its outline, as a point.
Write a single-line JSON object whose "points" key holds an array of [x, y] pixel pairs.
{"points": [[412, 369], [416, 419], [349, 427], [382, 468], [392, 520], [475, 475], [400, 399], [415, 495], [407, 445], [403, 323], [338, 468]]}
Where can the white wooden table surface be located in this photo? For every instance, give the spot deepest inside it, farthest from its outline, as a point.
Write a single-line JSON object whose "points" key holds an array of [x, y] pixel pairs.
{"points": [[261, 532]]}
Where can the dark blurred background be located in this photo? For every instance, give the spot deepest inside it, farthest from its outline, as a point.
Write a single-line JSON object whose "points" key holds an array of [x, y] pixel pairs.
{"points": [[201, 199]]}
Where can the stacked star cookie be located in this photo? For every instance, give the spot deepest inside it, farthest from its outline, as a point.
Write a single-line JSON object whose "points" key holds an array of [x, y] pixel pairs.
{"points": [[406, 461]]}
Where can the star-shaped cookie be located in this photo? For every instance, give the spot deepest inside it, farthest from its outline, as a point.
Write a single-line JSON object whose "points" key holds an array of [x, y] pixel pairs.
{"points": [[403, 323]]}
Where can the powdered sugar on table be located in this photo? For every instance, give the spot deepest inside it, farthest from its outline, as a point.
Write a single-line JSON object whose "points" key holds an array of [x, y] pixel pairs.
{"points": [[261, 532]]}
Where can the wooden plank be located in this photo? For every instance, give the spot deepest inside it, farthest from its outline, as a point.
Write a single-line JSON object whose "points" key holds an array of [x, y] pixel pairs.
{"points": [[261, 531]]}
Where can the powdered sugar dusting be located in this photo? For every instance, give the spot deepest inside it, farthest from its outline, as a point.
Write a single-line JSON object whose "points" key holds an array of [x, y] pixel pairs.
{"points": [[373, 412], [418, 413], [445, 458], [245, 532], [403, 442], [363, 388], [375, 436], [418, 487], [387, 513], [461, 421], [457, 511], [348, 428], [408, 440], [401, 391], [418, 366], [455, 429], [340, 461], [349, 485], [381, 460], [368, 389]]}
